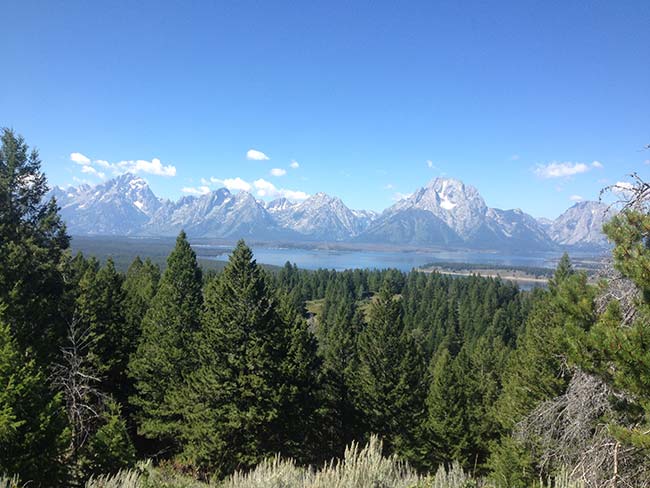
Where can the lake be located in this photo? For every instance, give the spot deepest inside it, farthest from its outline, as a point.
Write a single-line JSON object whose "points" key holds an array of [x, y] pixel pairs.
{"points": [[339, 259]]}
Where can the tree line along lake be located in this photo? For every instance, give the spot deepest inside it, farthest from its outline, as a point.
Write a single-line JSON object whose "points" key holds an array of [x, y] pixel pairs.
{"points": [[529, 269]]}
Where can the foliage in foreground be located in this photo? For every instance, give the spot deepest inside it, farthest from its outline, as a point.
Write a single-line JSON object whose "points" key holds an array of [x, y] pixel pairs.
{"points": [[212, 373], [361, 468]]}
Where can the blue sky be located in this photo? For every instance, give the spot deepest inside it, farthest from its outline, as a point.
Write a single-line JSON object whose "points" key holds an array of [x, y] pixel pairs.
{"points": [[532, 102]]}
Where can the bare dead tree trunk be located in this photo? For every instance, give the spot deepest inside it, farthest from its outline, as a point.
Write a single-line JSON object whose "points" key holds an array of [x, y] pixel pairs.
{"points": [[77, 381]]}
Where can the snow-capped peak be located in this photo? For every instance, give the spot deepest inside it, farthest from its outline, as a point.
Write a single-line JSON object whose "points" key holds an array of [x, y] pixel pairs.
{"points": [[460, 206]]}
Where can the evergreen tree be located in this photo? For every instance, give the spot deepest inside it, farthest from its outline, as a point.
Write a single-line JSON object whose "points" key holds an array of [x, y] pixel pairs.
{"points": [[109, 448], [164, 355], [234, 399], [511, 464], [32, 250], [563, 271], [301, 370], [538, 370], [140, 286], [99, 310], [447, 422], [389, 387], [616, 347], [32, 421], [484, 371], [340, 362]]}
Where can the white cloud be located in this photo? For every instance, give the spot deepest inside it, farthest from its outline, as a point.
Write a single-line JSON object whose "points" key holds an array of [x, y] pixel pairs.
{"points": [[623, 187], [560, 170], [278, 172], [233, 183], [92, 171], [576, 198], [262, 188], [389, 186], [429, 163], [597, 164], [79, 158], [267, 189], [515, 157], [294, 164], [294, 194], [201, 190], [154, 167], [255, 155]]}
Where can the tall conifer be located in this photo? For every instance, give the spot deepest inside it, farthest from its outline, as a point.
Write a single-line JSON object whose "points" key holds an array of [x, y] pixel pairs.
{"points": [[389, 384], [234, 399], [164, 355], [32, 420], [33, 242]]}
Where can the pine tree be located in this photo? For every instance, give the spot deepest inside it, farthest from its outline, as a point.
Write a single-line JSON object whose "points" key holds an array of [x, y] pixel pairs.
{"points": [[484, 371], [447, 422], [164, 354], [301, 370], [33, 242], [234, 399], [109, 448], [389, 384], [538, 370], [340, 362], [563, 270], [511, 464], [617, 345], [99, 310], [32, 421], [140, 286]]}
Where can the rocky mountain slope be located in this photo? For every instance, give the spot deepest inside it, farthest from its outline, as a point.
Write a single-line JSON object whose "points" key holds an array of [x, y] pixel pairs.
{"points": [[120, 206], [581, 225], [448, 212], [320, 217], [216, 214], [445, 212]]}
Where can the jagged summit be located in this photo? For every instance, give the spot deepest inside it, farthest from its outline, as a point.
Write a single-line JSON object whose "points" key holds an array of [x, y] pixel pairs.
{"points": [[581, 225], [280, 205], [114, 207], [448, 212], [323, 217], [459, 206], [444, 212]]}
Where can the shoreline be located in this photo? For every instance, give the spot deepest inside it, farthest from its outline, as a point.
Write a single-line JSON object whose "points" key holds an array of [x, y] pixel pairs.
{"points": [[486, 274]]}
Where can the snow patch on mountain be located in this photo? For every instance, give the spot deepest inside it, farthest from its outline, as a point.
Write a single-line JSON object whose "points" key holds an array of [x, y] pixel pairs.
{"points": [[445, 212]]}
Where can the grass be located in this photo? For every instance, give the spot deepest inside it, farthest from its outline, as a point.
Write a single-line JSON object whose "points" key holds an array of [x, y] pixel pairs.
{"points": [[360, 468], [315, 306]]}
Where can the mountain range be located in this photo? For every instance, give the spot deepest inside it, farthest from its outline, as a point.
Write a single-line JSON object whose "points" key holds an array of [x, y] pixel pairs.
{"points": [[444, 213]]}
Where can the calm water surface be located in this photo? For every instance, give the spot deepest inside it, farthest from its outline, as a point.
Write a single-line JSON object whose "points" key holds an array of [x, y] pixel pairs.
{"points": [[402, 260]]}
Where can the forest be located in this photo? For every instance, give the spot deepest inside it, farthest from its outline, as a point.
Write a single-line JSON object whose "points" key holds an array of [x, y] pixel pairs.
{"points": [[202, 375]]}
